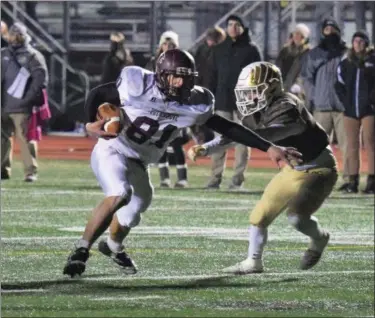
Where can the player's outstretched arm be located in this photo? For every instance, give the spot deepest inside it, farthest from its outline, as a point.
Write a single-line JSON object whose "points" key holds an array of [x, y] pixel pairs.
{"points": [[247, 137]]}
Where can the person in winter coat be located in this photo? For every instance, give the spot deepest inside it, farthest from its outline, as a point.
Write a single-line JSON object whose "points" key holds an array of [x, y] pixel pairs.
{"points": [[168, 41], [202, 56], [355, 87], [24, 76], [290, 59], [227, 60], [117, 58], [319, 78]]}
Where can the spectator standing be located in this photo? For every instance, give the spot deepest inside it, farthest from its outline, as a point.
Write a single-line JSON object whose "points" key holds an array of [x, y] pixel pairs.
{"points": [[356, 89], [214, 36], [319, 78], [168, 41], [290, 59], [117, 58], [24, 77], [227, 60]]}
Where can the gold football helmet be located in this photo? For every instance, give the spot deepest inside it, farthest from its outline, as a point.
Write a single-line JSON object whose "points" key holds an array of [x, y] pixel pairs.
{"points": [[257, 85]]}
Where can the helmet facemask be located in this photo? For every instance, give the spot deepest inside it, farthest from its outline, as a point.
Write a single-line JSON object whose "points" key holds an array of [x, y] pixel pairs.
{"points": [[257, 85], [251, 99]]}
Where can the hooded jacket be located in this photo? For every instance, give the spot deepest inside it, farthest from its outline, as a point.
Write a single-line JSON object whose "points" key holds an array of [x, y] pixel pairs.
{"points": [[319, 75], [32, 60], [225, 65], [355, 84]]}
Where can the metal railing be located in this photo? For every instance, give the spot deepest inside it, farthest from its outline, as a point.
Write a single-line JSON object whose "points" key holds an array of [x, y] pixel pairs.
{"points": [[59, 68]]}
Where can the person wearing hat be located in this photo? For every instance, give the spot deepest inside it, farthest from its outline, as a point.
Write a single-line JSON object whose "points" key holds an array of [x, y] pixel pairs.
{"points": [[319, 78], [227, 60], [169, 40], [24, 76], [290, 59], [118, 57], [355, 87]]}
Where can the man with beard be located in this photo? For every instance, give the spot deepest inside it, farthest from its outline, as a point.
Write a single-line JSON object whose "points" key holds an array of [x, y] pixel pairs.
{"points": [[319, 77]]}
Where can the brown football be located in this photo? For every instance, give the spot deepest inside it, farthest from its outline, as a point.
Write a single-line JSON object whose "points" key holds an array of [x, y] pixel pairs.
{"points": [[113, 115]]}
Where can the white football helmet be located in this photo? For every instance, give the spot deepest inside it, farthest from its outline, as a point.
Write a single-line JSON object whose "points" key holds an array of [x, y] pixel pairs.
{"points": [[257, 85]]}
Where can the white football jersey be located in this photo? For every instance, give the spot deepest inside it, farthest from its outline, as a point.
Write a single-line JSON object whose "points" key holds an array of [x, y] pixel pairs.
{"points": [[151, 122]]}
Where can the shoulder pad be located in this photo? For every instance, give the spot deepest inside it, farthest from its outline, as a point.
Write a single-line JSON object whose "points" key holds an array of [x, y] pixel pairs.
{"points": [[201, 96], [132, 80]]}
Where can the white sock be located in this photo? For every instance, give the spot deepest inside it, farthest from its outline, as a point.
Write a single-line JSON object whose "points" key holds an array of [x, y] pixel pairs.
{"points": [[257, 241], [82, 243], [115, 247], [310, 227]]}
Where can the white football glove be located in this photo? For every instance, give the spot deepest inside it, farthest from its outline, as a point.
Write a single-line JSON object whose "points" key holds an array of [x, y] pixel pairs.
{"points": [[196, 152], [296, 89]]}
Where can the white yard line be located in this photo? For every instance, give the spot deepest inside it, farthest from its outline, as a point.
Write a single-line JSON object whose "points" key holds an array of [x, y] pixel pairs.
{"points": [[124, 298], [347, 237], [20, 291], [247, 203]]}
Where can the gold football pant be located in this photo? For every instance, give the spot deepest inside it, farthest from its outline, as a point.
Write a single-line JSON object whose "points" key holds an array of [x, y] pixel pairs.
{"points": [[298, 192]]}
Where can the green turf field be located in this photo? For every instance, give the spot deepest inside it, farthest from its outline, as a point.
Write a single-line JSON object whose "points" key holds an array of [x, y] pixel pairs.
{"points": [[184, 240]]}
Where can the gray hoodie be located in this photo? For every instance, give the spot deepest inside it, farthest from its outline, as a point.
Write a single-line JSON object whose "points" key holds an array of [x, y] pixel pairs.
{"points": [[33, 61]]}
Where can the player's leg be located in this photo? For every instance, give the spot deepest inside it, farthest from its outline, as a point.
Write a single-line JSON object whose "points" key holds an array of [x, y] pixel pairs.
{"points": [[281, 189], [218, 159], [368, 124], [181, 165], [111, 170], [128, 217], [163, 165], [241, 158], [317, 187]]}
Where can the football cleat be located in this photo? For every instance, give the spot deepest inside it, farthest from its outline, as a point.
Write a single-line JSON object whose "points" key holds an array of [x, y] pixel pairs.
{"points": [[121, 258], [76, 263], [248, 266], [181, 184], [312, 256], [166, 183]]}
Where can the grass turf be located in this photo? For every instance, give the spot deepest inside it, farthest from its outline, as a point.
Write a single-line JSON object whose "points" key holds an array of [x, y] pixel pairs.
{"points": [[185, 238]]}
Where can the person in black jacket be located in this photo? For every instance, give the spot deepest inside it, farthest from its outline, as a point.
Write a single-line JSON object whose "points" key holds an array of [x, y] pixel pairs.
{"points": [[117, 58], [227, 60], [356, 89], [214, 36]]}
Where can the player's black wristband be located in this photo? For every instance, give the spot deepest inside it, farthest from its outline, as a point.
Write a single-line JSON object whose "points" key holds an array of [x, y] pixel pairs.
{"points": [[106, 93], [237, 133]]}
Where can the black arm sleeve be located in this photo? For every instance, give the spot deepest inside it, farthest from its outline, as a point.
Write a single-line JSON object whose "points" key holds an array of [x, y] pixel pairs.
{"points": [[106, 93], [237, 133], [275, 134]]}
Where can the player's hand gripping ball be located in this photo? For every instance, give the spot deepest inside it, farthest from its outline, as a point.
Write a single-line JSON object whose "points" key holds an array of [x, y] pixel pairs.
{"points": [[113, 116]]}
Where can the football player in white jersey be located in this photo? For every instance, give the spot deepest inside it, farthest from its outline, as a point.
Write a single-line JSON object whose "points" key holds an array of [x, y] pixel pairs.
{"points": [[154, 107]]}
